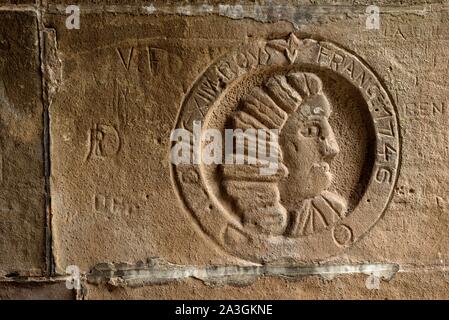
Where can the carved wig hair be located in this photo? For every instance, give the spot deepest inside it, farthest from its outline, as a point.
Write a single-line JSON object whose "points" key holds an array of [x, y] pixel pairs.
{"points": [[256, 197]]}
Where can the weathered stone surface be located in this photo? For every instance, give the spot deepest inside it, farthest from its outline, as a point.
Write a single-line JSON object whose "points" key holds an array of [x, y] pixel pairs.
{"points": [[35, 291], [119, 203], [22, 201], [407, 285], [249, 4], [128, 80], [360, 188]]}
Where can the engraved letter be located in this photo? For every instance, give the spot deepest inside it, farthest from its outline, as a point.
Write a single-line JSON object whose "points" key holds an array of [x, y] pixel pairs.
{"points": [[383, 174]]}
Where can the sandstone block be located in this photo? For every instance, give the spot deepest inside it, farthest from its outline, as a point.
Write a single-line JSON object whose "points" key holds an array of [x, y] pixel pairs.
{"points": [[22, 192]]}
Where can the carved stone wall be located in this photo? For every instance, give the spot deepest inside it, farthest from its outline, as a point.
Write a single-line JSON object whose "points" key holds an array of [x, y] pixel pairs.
{"points": [[92, 205]]}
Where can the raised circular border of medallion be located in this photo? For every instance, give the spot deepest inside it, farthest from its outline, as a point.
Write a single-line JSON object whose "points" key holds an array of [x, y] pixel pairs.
{"points": [[218, 224]]}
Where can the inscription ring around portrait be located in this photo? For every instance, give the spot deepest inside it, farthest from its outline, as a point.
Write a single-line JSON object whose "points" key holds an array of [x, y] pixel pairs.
{"points": [[339, 151]]}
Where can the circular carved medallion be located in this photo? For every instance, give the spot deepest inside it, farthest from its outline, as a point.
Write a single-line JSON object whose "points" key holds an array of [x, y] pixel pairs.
{"points": [[339, 150]]}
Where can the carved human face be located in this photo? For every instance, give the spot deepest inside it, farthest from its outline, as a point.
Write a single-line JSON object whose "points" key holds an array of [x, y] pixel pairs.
{"points": [[308, 146]]}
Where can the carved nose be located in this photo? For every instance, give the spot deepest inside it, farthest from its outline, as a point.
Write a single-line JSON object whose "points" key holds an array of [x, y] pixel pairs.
{"points": [[330, 147]]}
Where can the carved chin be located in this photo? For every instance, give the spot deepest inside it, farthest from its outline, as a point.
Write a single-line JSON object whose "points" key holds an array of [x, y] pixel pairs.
{"points": [[318, 182]]}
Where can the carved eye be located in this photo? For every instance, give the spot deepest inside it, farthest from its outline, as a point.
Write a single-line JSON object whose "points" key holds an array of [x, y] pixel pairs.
{"points": [[311, 131]]}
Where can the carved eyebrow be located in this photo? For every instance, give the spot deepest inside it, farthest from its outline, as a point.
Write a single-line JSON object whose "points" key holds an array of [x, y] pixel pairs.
{"points": [[308, 111]]}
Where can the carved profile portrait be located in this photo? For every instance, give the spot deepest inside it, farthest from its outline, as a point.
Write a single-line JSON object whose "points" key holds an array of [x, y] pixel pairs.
{"points": [[296, 200], [310, 155]]}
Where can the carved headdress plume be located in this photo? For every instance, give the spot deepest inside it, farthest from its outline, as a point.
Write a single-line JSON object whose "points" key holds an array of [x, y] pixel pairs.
{"points": [[266, 107]]}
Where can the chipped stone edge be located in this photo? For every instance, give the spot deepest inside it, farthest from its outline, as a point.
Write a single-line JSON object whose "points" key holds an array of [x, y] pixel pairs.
{"points": [[267, 13], [159, 271]]}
